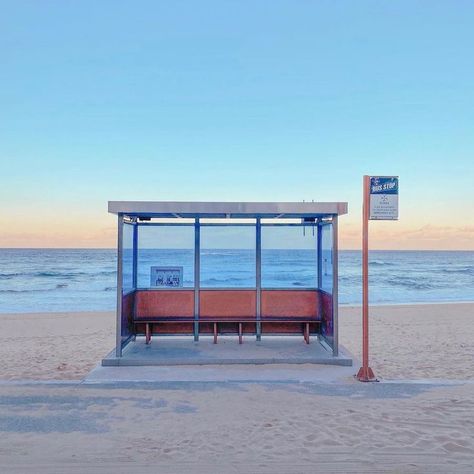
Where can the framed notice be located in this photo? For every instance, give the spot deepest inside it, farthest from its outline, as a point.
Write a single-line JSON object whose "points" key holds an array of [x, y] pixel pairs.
{"points": [[169, 277], [383, 198]]}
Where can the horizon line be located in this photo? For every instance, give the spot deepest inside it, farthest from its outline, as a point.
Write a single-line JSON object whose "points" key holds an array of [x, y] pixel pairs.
{"points": [[171, 248]]}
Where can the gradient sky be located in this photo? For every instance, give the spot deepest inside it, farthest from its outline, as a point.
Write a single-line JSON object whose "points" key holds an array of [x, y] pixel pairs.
{"points": [[235, 100]]}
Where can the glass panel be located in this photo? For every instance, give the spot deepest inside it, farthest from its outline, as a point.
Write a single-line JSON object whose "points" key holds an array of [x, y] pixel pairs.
{"points": [[171, 247], [289, 257], [327, 257], [228, 257], [127, 258]]}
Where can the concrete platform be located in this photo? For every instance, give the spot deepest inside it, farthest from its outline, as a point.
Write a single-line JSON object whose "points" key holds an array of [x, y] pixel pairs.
{"points": [[171, 351], [168, 376]]}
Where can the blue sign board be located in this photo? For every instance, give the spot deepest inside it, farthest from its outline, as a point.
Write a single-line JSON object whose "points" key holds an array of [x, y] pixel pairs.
{"points": [[384, 185], [383, 198]]}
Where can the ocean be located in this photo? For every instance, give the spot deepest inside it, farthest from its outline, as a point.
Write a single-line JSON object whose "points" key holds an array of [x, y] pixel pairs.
{"points": [[42, 280]]}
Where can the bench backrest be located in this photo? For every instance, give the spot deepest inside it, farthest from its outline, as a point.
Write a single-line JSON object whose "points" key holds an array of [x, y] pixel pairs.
{"points": [[226, 303], [164, 303], [290, 303]]}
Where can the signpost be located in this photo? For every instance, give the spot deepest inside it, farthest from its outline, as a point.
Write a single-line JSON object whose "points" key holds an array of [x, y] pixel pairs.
{"points": [[380, 202]]}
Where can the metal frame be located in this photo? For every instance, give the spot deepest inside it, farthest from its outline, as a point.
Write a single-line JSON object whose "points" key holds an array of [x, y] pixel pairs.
{"points": [[258, 276], [118, 334], [227, 209], [335, 284], [334, 347], [165, 224], [320, 256], [210, 288], [219, 224], [227, 288], [197, 275], [321, 213], [135, 256]]}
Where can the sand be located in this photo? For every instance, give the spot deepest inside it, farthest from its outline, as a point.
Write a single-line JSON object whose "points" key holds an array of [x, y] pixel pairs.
{"points": [[52, 425], [415, 341], [54, 346], [407, 342], [237, 428]]}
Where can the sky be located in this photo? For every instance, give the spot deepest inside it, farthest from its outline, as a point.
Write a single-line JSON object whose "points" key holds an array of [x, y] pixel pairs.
{"points": [[235, 101]]}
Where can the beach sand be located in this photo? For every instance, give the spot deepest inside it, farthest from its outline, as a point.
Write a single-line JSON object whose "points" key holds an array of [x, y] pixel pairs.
{"points": [[407, 342], [54, 346], [415, 341], [237, 428], [167, 427]]}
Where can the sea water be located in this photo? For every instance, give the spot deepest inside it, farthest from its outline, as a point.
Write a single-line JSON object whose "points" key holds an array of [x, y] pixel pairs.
{"points": [[36, 280]]}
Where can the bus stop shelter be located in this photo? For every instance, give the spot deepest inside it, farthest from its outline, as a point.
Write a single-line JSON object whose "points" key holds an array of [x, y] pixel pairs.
{"points": [[242, 276]]}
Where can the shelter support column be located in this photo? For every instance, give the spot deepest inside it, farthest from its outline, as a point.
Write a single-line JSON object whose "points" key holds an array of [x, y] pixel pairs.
{"points": [[258, 276], [118, 338], [319, 257], [319, 268], [335, 282], [135, 255], [197, 275]]}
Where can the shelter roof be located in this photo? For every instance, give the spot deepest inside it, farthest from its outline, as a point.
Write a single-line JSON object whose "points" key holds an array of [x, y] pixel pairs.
{"points": [[227, 209]]}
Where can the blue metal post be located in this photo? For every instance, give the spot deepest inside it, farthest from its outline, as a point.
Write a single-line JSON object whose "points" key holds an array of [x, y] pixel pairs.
{"points": [[135, 255], [258, 275], [118, 334], [197, 275]]}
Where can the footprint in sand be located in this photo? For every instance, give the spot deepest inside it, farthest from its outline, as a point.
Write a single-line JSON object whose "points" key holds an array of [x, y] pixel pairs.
{"points": [[454, 447]]}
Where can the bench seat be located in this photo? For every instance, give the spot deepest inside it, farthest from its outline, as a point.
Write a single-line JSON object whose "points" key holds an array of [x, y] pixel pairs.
{"points": [[150, 320]]}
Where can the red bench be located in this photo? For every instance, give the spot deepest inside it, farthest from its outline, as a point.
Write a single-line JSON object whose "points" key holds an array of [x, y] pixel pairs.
{"points": [[281, 310]]}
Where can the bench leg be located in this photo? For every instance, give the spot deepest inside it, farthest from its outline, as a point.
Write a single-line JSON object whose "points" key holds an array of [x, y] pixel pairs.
{"points": [[147, 333], [306, 333], [215, 333], [240, 333]]}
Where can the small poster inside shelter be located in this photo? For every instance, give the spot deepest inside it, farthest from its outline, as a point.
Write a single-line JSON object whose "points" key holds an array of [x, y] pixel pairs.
{"points": [[170, 277]]}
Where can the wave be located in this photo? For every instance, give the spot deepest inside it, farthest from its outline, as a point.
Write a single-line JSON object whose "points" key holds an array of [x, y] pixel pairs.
{"points": [[462, 271], [8, 276], [227, 253], [55, 274], [110, 288], [59, 274], [224, 280], [379, 263], [28, 291], [290, 277], [412, 284], [350, 279]]}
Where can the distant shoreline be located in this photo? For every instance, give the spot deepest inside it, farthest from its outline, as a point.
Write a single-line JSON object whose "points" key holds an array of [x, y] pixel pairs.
{"points": [[341, 305], [148, 248], [422, 303]]}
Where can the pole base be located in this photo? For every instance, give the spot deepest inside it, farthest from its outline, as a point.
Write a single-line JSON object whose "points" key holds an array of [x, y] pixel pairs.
{"points": [[366, 374]]}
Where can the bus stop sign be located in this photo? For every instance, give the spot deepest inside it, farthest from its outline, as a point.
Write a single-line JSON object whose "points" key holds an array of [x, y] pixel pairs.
{"points": [[383, 198]]}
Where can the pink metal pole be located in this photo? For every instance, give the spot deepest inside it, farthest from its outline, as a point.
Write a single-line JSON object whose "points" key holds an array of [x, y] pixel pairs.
{"points": [[365, 373]]}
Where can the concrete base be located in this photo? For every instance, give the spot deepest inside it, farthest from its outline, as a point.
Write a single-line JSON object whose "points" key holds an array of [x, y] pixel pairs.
{"points": [[166, 351], [167, 376]]}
